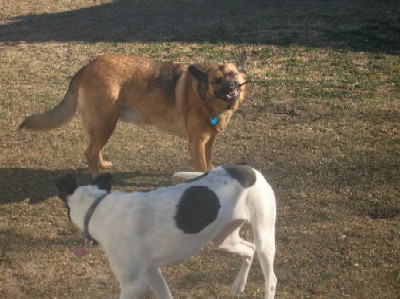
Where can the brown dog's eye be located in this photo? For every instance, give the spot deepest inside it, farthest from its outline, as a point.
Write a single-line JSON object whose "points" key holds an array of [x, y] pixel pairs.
{"points": [[217, 80]]}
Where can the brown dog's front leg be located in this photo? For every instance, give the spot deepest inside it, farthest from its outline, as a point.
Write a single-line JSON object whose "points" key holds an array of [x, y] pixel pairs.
{"points": [[93, 162], [197, 149], [209, 147]]}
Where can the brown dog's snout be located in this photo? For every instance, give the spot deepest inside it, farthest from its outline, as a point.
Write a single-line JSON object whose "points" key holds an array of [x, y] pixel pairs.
{"points": [[229, 91], [232, 85]]}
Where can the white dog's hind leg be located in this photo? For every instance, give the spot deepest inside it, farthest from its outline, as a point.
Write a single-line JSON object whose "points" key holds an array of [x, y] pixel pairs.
{"points": [[246, 251], [266, 261], [158, 284], [265, 246], [234, 244]]}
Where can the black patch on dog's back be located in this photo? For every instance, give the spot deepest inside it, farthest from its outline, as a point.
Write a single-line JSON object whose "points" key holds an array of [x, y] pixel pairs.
{"points": [[197, 209], [244, 174], [166, 78]]}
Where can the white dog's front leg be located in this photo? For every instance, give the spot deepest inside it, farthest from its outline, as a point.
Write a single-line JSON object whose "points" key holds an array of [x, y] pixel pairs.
{"points": [[158, 284]]}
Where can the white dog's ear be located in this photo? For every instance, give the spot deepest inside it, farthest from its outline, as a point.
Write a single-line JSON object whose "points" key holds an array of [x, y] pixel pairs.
{"points": [[66, 186], [103, 182], [199, 74]]}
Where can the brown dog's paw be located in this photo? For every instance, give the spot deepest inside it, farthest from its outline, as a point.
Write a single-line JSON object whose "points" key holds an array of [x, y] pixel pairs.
{"points": [[105, 165]]}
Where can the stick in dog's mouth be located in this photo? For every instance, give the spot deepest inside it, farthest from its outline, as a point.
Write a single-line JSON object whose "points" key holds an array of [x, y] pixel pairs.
{"points": [[245, 82], [230, 93]]}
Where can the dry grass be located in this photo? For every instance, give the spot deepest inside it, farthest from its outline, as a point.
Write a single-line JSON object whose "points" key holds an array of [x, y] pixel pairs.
{"points": [[321, 121]]}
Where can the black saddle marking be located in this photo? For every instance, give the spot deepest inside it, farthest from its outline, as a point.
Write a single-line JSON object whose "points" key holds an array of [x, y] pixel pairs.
{"points": [[197, 209]]}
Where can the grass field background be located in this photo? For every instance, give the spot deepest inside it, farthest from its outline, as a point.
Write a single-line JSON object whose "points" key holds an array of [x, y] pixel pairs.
{"points": [[321, 121]]}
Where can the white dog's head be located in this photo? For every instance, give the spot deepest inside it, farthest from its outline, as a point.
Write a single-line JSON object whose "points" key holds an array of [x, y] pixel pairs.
{"points": [[67, 187], [67, 184]]}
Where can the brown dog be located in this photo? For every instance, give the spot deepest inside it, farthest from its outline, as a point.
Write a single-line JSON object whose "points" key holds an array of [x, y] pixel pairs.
{"points": [[194, 101]]}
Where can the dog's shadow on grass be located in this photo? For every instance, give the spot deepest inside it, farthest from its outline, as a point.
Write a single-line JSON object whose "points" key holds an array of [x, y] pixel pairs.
{"points": [[37, 185]]}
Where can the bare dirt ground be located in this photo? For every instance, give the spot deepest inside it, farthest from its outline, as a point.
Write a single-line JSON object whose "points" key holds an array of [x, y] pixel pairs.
{"points": [[321, 121]]}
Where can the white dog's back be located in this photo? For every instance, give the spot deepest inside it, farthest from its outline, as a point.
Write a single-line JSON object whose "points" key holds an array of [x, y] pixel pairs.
{"points": [[179, 212]]}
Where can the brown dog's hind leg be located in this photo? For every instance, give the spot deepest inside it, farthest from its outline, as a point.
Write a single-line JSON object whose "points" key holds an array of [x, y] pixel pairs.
{"points": [[103, 163], [98, 138], [92, 154]]}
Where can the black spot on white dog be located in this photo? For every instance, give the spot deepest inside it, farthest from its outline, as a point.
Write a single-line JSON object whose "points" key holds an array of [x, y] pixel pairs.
{"points": [[244, 174], [197, 209]]}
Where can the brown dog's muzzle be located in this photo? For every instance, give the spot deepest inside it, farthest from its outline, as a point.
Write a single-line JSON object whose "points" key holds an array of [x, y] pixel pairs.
{"points": [[230, 92]]}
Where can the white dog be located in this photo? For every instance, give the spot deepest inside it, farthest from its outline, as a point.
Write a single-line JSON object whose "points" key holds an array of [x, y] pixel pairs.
{"points": [[143, 231]]}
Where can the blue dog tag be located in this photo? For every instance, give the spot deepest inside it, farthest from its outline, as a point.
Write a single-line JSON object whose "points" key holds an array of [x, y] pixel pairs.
{"points": [[214, 120]]}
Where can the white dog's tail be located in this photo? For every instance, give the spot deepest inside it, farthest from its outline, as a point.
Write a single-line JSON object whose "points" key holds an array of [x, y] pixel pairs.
{"points": [[187, 175]]}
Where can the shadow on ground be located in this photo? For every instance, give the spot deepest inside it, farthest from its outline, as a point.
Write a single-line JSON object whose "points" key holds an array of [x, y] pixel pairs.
{"points": [[37, 185], [356, 25]]}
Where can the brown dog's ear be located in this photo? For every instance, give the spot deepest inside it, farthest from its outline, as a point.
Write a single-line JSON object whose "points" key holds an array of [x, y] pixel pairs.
{"points": [[103, 182], [198, 74], [241, 63], [66, 186]]}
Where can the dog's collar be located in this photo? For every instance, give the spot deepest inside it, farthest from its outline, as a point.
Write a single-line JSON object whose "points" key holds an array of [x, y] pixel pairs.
{"points": [[214, 119], [88, 216]]}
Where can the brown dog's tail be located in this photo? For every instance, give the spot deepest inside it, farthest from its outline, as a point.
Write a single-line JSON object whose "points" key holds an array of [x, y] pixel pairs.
{"points": [[55, 117]]}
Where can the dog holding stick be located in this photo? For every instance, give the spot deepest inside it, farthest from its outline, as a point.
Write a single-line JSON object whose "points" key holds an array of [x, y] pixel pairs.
{"points": [[195, 101]]}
